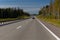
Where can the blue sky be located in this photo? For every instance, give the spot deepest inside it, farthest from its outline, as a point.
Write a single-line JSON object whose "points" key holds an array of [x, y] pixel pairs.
{"points": [[31, 6]]}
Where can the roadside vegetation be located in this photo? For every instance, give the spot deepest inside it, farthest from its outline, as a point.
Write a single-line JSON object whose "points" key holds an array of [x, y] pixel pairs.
{"points": [[51, 13], [9, 14]]}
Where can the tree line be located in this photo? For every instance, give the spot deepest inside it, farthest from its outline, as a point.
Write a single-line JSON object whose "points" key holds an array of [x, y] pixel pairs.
{"points": [[12, 13], [52, 10]]}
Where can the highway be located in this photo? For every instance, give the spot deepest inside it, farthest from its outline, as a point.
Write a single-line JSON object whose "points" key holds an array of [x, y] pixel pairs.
{"points": [[29, 29]]}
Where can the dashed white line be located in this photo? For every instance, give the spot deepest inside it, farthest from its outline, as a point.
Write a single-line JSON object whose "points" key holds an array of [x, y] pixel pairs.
{"points": [[2, 23], [18, 27], [57, 38]]}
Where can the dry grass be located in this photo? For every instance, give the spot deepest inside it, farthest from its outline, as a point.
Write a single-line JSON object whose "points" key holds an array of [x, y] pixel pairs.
{"points": [[52, 21]]}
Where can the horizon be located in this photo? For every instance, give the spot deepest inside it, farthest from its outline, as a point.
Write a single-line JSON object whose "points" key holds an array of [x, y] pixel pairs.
{"points": [[31, 6]]}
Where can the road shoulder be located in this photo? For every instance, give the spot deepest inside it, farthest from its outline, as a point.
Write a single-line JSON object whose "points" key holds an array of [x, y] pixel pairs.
{"points": [[51, 27]]}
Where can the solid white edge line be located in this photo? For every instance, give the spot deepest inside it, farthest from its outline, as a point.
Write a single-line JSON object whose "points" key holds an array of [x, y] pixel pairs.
{"points": [[18, 27], [48, 29]]}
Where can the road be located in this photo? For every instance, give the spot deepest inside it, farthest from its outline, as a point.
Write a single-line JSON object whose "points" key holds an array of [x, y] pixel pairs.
{"points": [[28, 29]]}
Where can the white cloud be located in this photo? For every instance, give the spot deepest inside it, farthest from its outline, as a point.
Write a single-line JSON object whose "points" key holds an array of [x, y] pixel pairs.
{"points": [[30, 9], [6, 6]]}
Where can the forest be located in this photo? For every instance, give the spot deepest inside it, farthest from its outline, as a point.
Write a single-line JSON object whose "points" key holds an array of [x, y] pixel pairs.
{"points": [[12, 13], [51, 11]]}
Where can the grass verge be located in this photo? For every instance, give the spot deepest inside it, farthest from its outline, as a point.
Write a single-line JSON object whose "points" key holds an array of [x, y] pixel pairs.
{"points": [[49, 20], [12, 19]]}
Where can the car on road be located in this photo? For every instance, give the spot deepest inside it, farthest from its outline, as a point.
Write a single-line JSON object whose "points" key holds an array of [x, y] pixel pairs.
{"points": [[33, 17]]}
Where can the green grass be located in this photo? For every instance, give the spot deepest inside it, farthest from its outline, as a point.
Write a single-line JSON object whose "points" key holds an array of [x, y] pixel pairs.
{"points": [[24, 17], [49, 20], [7, 19], [11, 19]]}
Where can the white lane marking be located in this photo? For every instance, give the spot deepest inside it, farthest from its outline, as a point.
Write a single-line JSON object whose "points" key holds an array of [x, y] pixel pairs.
{"points": [[2, 23], [18, 27], [57, 38]]}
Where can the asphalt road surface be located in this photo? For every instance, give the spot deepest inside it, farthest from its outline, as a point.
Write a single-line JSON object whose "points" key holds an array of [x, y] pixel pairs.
{"points": [[28, 29]]}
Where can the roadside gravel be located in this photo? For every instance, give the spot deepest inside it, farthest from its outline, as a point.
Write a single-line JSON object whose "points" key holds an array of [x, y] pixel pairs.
{"points": [[53, 28]]}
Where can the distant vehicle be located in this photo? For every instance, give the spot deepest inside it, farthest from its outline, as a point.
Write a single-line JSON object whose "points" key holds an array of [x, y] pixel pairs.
{"points": [[33, 17]]}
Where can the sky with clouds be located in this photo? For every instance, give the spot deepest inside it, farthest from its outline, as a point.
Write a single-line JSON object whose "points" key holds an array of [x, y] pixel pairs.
{"points": [[31, 6]]}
